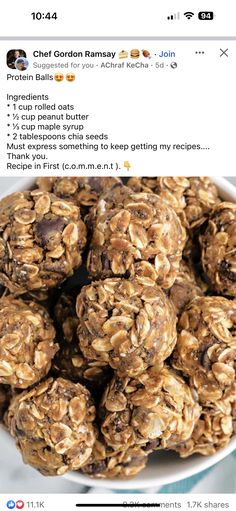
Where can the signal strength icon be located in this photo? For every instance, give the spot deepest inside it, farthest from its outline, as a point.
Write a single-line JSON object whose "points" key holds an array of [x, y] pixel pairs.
{"points": [[189, 15], [175, 16]]}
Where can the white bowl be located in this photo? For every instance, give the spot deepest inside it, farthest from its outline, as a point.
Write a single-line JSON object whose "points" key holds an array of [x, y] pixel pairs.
{"points": [[163, 467]]}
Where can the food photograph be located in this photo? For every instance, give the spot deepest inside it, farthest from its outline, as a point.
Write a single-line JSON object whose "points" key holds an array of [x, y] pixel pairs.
{"points": [[117, 333]]}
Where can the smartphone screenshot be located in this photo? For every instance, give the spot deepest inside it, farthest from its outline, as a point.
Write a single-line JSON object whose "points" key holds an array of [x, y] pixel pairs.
{"points": [[117, 255]]}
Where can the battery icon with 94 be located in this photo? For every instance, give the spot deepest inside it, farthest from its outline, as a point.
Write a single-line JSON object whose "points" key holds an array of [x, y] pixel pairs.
{"points": [[206, 15]]}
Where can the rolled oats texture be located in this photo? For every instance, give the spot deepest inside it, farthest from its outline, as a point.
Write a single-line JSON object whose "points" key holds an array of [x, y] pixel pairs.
{"points": [[69, 362], [135, 232], [41, 240], [193, 198], [155, 410], [44, 298], [53, 425], [214, 428], [206, 346], [105, 463], [27, 342], [185, 287], [201, 198], [219, 249], [170, 189], [126, 324], [83, 191]]}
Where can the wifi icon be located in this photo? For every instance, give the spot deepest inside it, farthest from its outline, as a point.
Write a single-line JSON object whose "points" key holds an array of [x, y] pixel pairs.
{"points": [[189, 15]]}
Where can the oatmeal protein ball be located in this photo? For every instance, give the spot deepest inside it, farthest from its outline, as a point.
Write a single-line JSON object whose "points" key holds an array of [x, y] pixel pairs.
{"points": [[53, 425], [27, 344], [185, 287], [219, 249], [125, 323], [69, 361], [83, 191], [135, 233], [105, 463], [170, 189], [213, 429], [41, 239], [201, 198], [206, 346], [193, 198], [156, 409]]}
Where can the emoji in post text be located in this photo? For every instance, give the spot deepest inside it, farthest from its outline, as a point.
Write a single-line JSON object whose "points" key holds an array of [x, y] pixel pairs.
{"points": [[123, 54], [135, 54], [146, 54], [70, 77], [58, 77], [127, 165]]}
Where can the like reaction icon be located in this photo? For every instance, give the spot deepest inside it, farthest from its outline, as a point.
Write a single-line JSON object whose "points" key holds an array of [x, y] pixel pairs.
{"points": [[11, 504]]}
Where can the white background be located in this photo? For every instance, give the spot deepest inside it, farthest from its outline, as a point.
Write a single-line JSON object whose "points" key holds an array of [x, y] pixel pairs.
{"points": [[194, 103], [124, 18]]}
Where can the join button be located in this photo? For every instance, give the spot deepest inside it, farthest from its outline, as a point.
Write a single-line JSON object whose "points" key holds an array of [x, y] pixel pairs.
{"points": [[167, 53]]}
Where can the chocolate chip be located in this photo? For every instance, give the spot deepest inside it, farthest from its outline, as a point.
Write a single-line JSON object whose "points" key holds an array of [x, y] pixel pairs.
{"points": [[105, 262], [226, 272], [95, 183], [96, 468], [151, 445], [205, 361], [47, 228]]}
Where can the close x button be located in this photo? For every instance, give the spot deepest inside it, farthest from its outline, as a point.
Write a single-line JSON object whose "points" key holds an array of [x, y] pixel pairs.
{"points": [[224, 53]]}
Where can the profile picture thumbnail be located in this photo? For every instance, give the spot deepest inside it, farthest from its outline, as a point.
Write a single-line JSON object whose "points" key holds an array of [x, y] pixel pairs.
{"points": [[21, 64], [13, 56]]}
